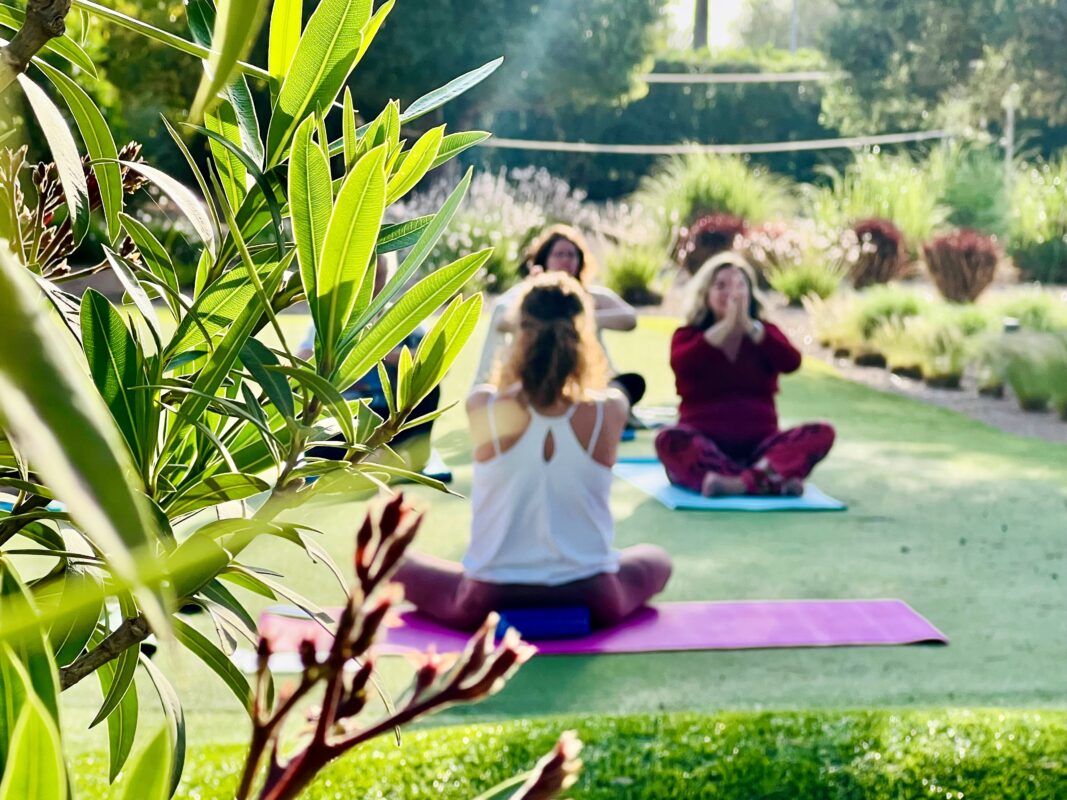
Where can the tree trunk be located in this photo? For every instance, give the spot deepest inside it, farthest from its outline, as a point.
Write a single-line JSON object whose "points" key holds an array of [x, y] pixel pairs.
{"points": [[700, 24]]}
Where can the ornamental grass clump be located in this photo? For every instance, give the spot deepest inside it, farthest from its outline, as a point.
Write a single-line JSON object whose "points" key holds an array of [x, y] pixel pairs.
{"points": [[681, 189], [632, 272], [771, 247], [1033, 310], [878, 306], [813, 274], [1037, 237], [962, 264]]}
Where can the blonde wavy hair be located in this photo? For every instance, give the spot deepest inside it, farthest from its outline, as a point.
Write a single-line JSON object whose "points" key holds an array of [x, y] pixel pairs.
{"points": [[695, 306], [555, 353]]}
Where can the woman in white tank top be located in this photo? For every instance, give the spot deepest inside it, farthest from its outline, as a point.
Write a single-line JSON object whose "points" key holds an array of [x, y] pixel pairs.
{"points": [[545, 437]]}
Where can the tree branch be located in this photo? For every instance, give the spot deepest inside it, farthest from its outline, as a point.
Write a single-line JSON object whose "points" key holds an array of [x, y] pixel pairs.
{"points": [[44, 21], [128, 634]]}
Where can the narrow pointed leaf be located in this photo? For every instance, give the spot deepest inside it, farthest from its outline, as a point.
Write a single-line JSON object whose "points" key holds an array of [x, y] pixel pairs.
{"points": [[217, 489], [35, 767], [122, 722], [348, 122], [257, 357], [286, 18], [154, 256], [325, 391], [99, 143], [54, 415], [175, 720], [402, 234], [348, 249], [117, 367], [233, 173], [400, 320], [74, 626], [190, 205], [236, 25], [310, 203], [324, 58], [450, 91], [455, 143], [64, 152], [216, 660], [127, 276], [148, 776], [415, 258], [415, 166]]}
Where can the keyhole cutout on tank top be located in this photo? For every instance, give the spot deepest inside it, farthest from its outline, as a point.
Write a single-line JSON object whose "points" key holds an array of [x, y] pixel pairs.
{"points": [[549, 447]]}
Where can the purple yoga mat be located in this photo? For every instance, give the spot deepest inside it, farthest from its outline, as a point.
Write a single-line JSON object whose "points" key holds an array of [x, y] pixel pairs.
{"points": [[671, 626]]}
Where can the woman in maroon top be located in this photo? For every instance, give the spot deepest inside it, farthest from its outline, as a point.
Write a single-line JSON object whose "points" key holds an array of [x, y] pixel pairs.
{"points": [[726, 363]]}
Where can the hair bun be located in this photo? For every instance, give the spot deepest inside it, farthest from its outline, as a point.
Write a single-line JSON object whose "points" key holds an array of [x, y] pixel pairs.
{"points": [[548, 301]]}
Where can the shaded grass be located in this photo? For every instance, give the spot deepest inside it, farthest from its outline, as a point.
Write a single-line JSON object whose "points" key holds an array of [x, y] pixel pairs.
{"points": [[812, 755]]}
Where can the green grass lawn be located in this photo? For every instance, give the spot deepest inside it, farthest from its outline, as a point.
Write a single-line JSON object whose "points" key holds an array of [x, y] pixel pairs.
{"points": [[965, 523]]}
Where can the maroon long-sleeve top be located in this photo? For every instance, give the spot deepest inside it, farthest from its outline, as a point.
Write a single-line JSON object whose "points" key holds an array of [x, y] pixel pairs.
{"points": [[732, 402]]}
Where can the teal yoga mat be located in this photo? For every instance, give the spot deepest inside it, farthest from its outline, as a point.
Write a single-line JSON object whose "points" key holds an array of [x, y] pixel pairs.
{"points": [[647, 475]]}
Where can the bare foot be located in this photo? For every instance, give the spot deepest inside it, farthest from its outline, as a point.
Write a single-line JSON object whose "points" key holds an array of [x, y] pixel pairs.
{"points": [[793, 487], [716, 485]]}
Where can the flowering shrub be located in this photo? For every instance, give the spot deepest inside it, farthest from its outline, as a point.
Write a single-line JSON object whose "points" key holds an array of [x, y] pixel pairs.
{"points": [[707, 237], [880, 255], [962, 264]]}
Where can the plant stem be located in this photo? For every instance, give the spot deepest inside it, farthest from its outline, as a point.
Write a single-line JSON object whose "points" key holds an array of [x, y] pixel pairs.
{"points": [[131, 632], [44, 21]]}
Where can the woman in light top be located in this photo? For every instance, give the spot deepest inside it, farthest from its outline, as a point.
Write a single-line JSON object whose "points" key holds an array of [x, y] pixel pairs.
{"points": [[545, 436], [561, 248]]}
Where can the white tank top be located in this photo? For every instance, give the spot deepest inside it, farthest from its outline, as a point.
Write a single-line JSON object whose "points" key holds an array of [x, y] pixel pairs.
{"points": [[541, 522]]}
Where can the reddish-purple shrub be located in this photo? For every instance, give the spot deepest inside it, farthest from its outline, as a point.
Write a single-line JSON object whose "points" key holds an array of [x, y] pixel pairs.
{"points": [[962, 264], [707, 237], [882, 256]]}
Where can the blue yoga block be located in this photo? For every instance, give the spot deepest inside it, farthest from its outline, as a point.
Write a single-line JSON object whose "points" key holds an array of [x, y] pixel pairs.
{"points": [[566, 622]]}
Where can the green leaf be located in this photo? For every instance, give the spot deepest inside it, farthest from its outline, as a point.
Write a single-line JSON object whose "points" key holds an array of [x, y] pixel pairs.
{"points": [[324, 58], [223, 121], [372, 27], [55, 417], [35, 767], [122, 680], [440, 348], [219, 594], [325, 391], [422, 249], [149, 773], [257, 357], [153, 255], [14, 689], [221, 361], [190, 205], [450, 91], [32, 649], [201, 18], [126, 273], [301, 602], [175, 721], [455, 143], [237, 22], [98, 142], [122, 722], [402, 234], [400, 320], [216, 660], [237, 576], [205, 191], [417, 163], [348, 122], [216, 489], [74, 625], [64, 152], [285, 19], [216, 309], [261, 206], [310, 203], [347, 258], [158, 35], [117, 367]]}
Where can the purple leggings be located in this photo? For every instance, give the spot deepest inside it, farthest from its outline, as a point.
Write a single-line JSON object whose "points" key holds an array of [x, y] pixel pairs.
{"points": [[688, 455], [441, 591]]}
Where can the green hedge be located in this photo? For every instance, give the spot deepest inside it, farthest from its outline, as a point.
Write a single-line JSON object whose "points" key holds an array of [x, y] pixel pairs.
{"points": [[945, 754]]}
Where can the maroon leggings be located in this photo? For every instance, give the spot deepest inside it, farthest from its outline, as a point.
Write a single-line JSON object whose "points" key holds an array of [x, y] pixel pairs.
{"points": [[688, 455], [440, 590]]}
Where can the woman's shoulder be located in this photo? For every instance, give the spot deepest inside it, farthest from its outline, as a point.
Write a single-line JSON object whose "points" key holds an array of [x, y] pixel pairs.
{"points": [[685, 333], [615, 403], [485, 393]]}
